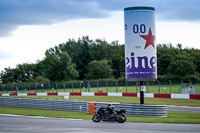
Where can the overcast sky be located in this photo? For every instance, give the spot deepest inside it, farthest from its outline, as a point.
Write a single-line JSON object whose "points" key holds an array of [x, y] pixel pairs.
{"points": [[29, 27]]}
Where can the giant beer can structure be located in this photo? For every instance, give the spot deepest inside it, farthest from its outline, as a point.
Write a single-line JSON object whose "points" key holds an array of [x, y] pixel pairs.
{"points": [[140, 45]]}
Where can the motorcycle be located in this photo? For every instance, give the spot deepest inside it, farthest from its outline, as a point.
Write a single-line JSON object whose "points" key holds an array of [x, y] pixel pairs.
{"points": [[104, 115]]}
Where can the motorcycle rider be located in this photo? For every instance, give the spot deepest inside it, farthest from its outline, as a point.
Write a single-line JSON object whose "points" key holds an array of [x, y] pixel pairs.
{"points": [[111, 110]]}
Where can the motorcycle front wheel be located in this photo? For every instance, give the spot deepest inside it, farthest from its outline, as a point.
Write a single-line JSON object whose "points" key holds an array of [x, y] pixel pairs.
{"points": [[96, 118], [121, 118]]}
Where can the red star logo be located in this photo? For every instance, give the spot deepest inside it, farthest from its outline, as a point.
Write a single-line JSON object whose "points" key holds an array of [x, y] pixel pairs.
{"points": [[149, 39]]}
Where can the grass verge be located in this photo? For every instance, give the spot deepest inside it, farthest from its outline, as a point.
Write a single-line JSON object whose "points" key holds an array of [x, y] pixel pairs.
{"points": [[44, 112], [173, 116]]}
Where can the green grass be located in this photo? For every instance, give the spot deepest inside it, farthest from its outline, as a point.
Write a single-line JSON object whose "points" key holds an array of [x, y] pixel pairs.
{"points": [[173, 116], [45, 113], [158, 101]]}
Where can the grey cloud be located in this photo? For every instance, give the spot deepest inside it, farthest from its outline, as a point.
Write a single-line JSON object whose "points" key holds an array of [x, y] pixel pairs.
{"points": [[14, 13], [6, 29], [166, 10], [178, 10], [32, 12]]}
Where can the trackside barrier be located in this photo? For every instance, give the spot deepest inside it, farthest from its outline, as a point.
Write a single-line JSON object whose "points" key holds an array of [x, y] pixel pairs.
{"points": [[193, 96], [148, 95], [87, 94], [63, 94], [75, 93], [41, 94], [52, 94], [180, 96], [21, 94], [7, 95], [84, 106], [114, 94], [65, 105], [162, 95], [100, 94], [31, 94], [129, 94]]}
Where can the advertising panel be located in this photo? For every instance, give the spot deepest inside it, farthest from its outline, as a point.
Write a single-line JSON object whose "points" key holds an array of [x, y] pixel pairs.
{"points": [[140, 45]]}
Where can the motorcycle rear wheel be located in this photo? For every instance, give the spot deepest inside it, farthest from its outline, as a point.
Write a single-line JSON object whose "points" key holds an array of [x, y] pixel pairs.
{"points": [[121, 118], [96, 118]]}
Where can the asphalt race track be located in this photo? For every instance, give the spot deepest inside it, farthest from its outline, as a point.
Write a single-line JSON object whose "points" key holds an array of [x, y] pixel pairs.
{"points": [[183, 108], [26, 124]]}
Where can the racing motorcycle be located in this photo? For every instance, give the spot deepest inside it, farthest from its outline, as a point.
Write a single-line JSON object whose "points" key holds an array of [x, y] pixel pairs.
{"points": [[103, 114]]}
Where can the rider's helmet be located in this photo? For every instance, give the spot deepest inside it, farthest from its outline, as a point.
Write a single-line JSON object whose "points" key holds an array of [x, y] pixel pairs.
{"points": [[109, 105]]}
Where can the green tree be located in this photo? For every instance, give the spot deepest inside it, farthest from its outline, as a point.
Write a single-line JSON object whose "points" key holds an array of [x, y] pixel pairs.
{"points": [[163, 63], [118, 65], [182, 65], [99, 49], [79, 52], [40, 79], [85, 50], [99, 70], [59, 67], [79, 59], [195, 54], [22, 73], [165, 54]]}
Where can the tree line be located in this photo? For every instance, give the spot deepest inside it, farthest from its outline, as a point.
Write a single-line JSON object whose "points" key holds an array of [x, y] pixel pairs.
{"points": [[98, 59]]}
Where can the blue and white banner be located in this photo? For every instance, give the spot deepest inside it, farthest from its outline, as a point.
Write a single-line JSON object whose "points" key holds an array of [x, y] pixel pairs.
{"points": [[140, 45]]}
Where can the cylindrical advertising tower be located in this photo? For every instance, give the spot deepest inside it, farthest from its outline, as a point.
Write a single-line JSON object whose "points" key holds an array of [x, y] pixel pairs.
{"points": [[140, 45]]}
